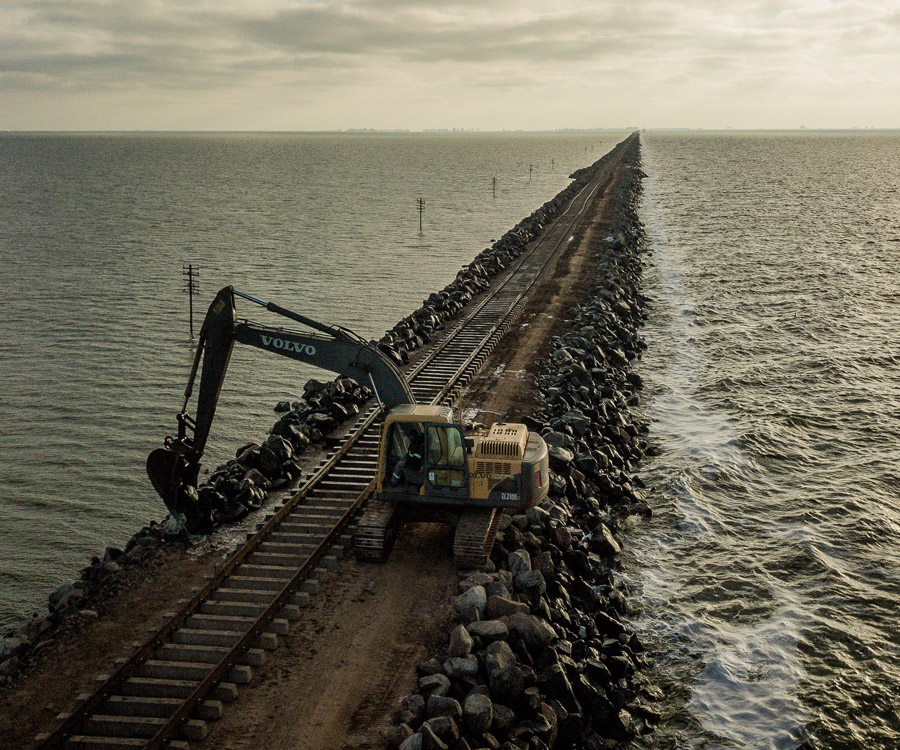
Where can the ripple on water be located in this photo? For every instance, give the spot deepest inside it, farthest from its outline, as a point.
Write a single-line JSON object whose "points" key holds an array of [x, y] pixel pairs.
{"points": [[95, 353], [770, 576]]}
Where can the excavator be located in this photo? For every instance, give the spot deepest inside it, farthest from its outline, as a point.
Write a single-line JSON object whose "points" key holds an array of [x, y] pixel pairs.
{"points": [[429, 469]]}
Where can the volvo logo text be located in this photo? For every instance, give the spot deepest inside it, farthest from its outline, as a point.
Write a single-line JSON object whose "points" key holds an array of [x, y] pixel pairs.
{"points": [[289, 346]]}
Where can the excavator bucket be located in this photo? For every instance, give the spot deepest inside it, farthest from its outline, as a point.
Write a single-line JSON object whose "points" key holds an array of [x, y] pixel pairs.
{"points": [[166, 470]]}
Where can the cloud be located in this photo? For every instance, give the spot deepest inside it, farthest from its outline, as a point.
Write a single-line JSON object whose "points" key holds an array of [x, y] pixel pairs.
{"points": [[101, 47]]}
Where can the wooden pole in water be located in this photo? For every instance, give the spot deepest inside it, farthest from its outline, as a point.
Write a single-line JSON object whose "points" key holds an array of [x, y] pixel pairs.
{"points": [[494, 187], [191, 285], [420, 202]]}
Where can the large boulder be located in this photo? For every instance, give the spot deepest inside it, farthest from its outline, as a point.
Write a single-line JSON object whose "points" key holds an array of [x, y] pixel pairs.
{"points": [[65, 597], [519, 562], [461, 667], [442, 705], [435, 684], [440, 731], [472, 604], [488, 630], [536, 632], [478, 713], [460, 642], [501, 606], [505, 677]]}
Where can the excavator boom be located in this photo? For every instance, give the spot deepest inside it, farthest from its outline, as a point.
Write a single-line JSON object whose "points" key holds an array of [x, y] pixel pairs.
{"points": [[174, 468]]}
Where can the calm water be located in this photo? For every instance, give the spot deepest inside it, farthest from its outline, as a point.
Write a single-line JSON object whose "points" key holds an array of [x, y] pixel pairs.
{"points": [[94, 351], [770, 573]]}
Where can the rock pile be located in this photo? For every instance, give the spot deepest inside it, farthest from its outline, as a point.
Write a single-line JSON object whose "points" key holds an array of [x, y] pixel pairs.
{"points": [[540, 655], [242, 484], [74, 604], [417, 329], [232, 491]]}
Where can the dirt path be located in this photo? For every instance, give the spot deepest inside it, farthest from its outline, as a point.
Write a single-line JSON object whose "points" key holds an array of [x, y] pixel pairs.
{"points": [[503, 389], [344, 665]]}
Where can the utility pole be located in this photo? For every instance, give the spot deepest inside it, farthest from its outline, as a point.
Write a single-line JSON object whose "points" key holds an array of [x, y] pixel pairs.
{"points": [[420, 203], [191, 274]]}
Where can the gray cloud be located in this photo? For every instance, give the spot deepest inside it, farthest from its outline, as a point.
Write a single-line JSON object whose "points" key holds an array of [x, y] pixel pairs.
{"points": [[101, 47]]}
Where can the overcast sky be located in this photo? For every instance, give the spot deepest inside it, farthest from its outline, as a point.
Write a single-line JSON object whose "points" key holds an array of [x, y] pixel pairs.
{"points": [[481, 64]]}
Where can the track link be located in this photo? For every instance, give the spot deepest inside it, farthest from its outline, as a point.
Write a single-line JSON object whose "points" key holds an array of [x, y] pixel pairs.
{"points": [[475, 535], [375, 536]]}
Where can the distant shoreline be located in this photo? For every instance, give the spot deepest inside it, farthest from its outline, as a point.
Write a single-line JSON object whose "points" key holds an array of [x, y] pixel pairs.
{"points": [[453, 131]]}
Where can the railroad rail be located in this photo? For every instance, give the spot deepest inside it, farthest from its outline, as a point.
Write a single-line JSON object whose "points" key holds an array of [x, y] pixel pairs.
{"points": [[177, 681]]}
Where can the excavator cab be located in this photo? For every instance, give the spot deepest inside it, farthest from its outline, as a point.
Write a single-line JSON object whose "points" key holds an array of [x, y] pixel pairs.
{"points": [[405, 443], [422, 456]]}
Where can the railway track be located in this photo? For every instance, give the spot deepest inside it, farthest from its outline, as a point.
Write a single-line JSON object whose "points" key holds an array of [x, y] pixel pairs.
{"points": [[175, 683]]}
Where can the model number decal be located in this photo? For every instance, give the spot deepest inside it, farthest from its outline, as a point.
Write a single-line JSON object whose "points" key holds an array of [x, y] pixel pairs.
{"points": [[509, 496]]}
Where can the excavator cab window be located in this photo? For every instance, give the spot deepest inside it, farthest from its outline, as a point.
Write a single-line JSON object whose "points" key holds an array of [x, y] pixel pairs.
{"points": [[445, 458], [404, 455]]}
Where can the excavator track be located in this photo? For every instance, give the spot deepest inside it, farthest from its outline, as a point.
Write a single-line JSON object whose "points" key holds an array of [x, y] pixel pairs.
{"points": [[475, 535], [375, 536], [171, 686]]}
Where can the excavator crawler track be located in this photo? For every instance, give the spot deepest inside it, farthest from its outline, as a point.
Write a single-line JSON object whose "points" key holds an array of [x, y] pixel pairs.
{"points": [[375, 534], [475, 535]]}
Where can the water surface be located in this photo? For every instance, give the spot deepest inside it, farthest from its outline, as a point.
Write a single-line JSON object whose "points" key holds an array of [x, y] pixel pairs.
{"points": [[95, 346], [770, 574]]}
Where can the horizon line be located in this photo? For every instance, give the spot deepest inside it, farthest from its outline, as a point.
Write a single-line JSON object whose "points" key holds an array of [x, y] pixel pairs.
{"points": [[448, 131]]}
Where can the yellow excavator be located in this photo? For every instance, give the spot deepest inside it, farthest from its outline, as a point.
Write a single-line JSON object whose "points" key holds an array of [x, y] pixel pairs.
{"points": [[428, 468]]}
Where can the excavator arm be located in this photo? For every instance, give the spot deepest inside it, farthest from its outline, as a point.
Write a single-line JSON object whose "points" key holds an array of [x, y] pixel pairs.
{"points": [[174, 468]]}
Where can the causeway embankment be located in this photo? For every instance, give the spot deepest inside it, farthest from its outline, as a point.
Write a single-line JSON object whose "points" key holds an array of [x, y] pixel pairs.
{"points": [[543, 638], [538, 651]]}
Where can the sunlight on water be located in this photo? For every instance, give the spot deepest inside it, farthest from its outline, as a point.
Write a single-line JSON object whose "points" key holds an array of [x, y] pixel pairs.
{"points": [[741, 693], [769, 578], [746, 692]]}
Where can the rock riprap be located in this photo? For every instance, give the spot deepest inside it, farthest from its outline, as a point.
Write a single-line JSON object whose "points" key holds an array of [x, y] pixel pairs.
{"points": [[76, 604], [557, 663], [417, 329], [242, 484]]}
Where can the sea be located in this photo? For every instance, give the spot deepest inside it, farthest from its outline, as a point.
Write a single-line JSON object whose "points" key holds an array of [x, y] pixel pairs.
{"points": [[766, 586]]}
